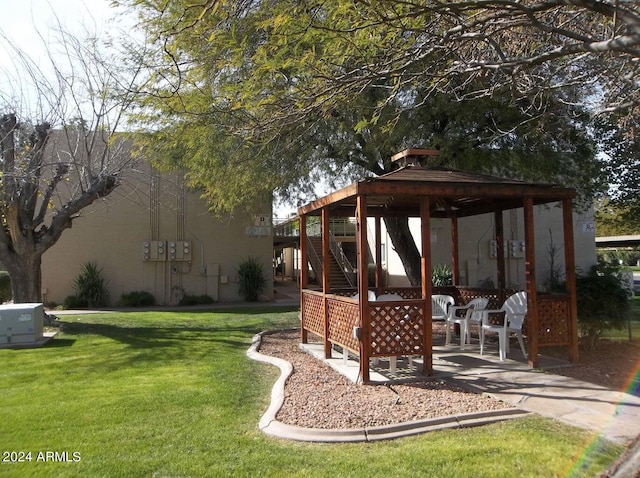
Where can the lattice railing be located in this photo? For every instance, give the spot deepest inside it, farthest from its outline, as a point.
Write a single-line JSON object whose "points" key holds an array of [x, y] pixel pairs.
{"points": [[464, 294], [554, 320], [344, 315], [404, 292], [312, 312], [395, 328], [346, 292]]}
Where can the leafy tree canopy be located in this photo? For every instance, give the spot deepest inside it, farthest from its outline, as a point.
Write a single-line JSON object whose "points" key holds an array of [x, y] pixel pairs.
{"points": [[621, 212], [614, 220], [255, 95]]}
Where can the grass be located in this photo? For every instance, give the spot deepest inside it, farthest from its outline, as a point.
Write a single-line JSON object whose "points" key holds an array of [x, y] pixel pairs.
{"points": [[632, 327], [173, 394]]}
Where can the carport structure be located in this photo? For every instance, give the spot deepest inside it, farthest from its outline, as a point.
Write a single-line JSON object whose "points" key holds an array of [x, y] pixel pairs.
{"points": [[371, 329]]}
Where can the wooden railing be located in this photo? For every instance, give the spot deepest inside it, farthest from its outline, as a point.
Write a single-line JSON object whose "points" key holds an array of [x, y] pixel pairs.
{"points": [[554, 320], [396, 327]]}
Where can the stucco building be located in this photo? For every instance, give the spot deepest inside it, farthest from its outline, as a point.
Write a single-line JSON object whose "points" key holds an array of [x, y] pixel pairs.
{"points": [[153, 234]]}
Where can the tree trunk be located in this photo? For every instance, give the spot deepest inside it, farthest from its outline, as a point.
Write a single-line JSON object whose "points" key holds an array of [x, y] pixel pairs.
{"points": [[405, 247], [26, 277]]}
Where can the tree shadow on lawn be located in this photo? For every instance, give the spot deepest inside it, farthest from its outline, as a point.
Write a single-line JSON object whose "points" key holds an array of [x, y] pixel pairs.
{"points": [[229, 333], [60, 343], [151, 337], [158, 344]]}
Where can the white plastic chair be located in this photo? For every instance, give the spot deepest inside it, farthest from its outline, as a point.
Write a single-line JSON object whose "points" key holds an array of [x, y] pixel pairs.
{"points": [[475, 319], [371, 295], [515, 311], [440, 306], [472, 313]]}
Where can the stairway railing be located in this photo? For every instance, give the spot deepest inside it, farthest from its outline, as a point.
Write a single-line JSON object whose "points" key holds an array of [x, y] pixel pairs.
{"points": [[343, 262], [314, 259]]}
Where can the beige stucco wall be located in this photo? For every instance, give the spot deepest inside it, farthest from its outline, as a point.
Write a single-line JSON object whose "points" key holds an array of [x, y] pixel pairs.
{"points": [[475, 234], [149, 207]]}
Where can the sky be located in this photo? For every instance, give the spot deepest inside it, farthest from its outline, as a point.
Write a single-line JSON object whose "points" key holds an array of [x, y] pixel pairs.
{"points": [[32, 27], [27, 17]]}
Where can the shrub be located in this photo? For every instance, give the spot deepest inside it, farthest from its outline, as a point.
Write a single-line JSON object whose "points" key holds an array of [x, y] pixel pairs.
{"points": [[251, 279], [441, 275], [91, 288], [72, 302], [195, 300], [603, 303], [5, 287], [137, 299]]}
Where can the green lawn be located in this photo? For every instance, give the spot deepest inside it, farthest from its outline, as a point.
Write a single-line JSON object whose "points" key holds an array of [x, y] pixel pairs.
{"points": [[172, 394], [633, 325]]}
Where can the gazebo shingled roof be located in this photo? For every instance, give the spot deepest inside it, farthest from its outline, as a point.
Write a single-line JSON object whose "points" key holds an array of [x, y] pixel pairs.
{"points": [[458, 193]]}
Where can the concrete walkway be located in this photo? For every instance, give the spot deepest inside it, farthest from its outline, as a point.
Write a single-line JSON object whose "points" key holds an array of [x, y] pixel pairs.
{"points": [[613, 415]]}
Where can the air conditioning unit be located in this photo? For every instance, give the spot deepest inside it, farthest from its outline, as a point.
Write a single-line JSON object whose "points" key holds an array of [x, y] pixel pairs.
{"points": [[21, 323]]}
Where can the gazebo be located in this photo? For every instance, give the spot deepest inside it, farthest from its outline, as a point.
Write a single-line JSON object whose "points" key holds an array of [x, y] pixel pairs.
{"points": [[369, 329]]}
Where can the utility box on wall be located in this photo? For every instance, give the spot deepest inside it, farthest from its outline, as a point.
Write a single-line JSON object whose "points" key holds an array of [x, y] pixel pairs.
{"points": [[154, 251], [512, 248], [179, 250], [21, 323]]}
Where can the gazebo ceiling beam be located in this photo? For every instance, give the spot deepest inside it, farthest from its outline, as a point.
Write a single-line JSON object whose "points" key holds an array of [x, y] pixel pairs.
{"points": [[445, 208], [405, 188]]}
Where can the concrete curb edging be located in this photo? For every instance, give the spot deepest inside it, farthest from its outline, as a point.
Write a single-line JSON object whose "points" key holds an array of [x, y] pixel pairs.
{"points": [[270, 426], [277, 391]]}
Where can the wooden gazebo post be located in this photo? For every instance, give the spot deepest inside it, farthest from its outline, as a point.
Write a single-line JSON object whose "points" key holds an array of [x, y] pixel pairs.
{"points": [[326, 276], [378, 250], [427, 331], [304, 272], [532, 288], [455, 254], [570, 274], [500, 262], [363, 285]]}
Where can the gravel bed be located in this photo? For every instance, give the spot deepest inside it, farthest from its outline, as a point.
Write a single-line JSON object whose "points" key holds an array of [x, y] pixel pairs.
{"points": [[316, 396]]}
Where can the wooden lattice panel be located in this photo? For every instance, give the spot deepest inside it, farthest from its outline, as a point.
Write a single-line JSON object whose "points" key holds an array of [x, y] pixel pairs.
{"points": [[447, 290], [554, 320], [312, 312], [344, 292], [343, 317], [395, 329], [467, 294], [408, 293]]}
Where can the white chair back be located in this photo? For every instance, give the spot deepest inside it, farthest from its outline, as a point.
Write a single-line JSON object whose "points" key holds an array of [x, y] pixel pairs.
{"points": [[515, 309], [475, 308], [440, 305]]}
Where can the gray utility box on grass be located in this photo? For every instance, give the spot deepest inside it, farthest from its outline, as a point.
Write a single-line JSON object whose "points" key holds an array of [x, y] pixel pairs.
{"points": [[21, 323]]}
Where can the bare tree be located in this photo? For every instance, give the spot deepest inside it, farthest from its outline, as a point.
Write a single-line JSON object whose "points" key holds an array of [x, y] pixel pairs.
{"points": [[62, 158]]}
